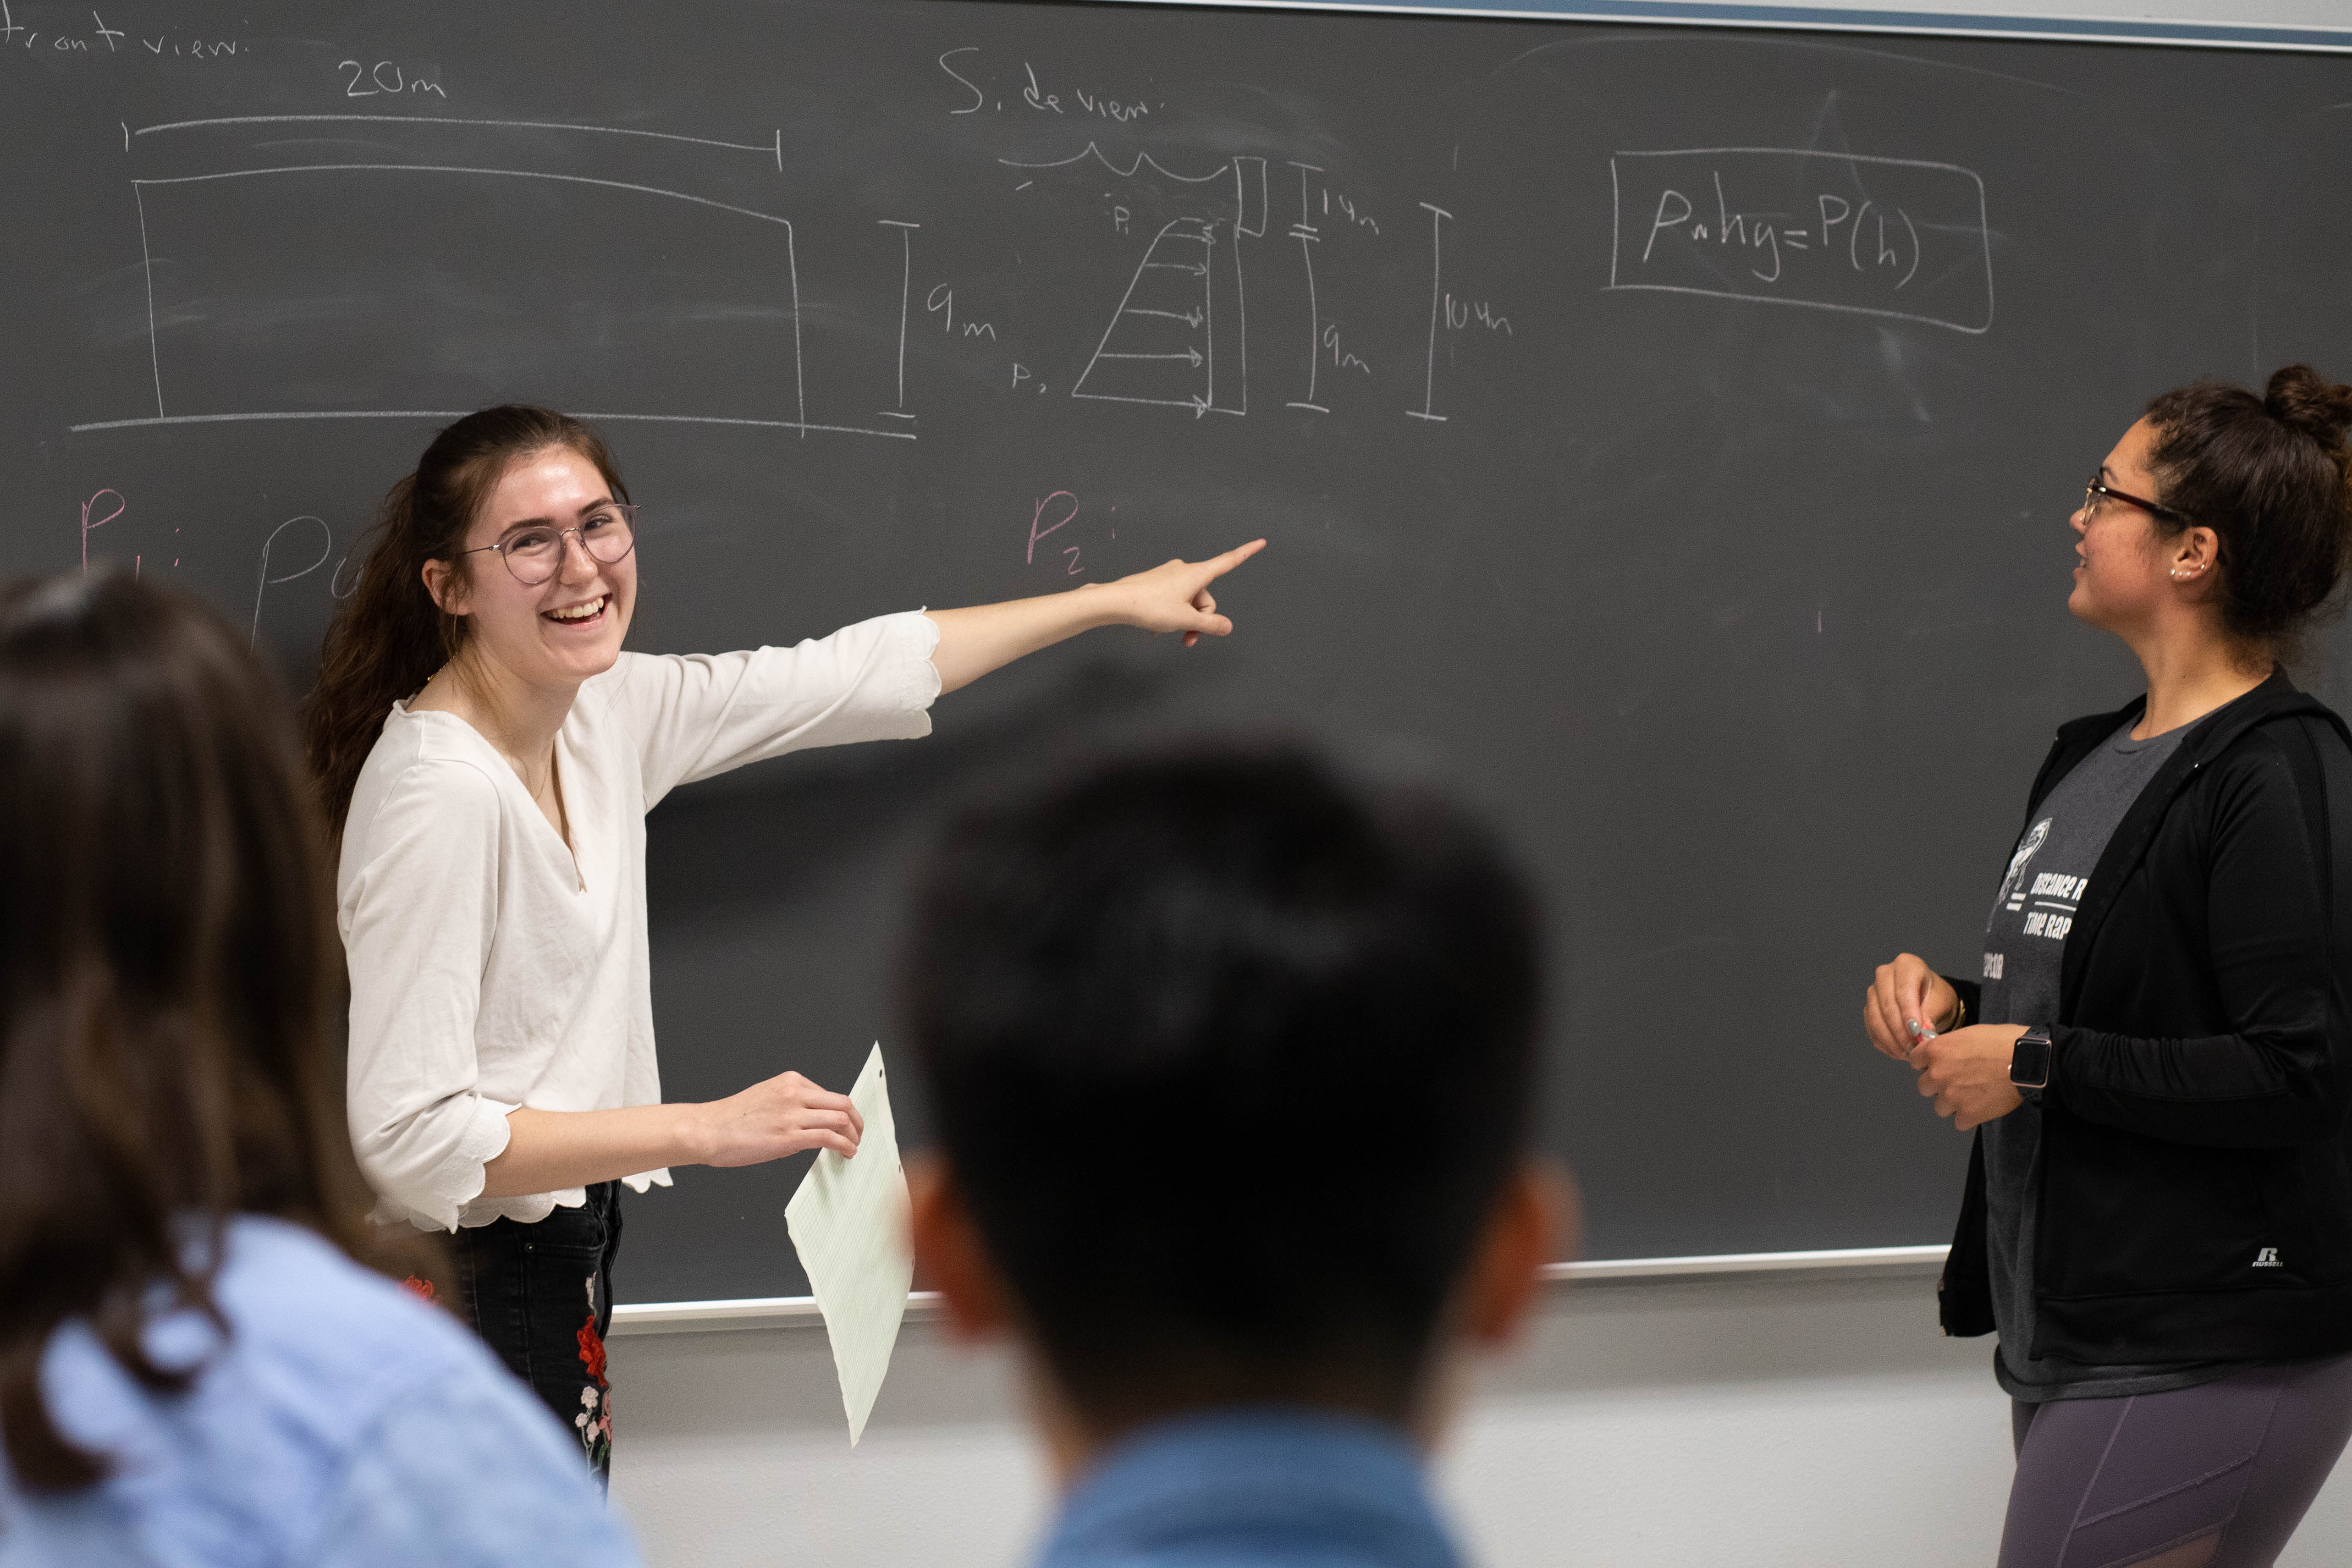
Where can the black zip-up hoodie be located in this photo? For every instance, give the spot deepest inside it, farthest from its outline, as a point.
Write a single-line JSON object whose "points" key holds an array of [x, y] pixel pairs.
{"points": [[2196, 1198]]}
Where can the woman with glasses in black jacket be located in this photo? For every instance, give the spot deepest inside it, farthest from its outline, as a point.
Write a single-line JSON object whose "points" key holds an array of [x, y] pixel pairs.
{"points": [[2156, 1051]]}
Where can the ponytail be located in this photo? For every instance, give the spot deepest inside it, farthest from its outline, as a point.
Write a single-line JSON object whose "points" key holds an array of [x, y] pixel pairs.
{"points": [[2321, 409], [388, 636], [2272, 477]]}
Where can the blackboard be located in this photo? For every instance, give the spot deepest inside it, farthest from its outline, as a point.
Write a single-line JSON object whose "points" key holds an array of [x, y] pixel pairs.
{"points": [[1665, 437]]}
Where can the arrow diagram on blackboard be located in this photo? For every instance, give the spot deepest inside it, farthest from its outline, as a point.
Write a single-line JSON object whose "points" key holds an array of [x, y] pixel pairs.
{"points": [[1161, 291], [1192, 354]]}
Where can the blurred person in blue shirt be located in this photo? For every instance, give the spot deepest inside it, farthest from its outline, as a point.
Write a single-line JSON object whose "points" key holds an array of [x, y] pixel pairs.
{"points": [[1232, 1066], [195, 1368]]}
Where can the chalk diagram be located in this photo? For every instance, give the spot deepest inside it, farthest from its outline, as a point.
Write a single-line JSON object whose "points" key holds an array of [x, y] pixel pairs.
{"points": [[1179, 336], [1309, 235], [1175, 272], [223, 267]]}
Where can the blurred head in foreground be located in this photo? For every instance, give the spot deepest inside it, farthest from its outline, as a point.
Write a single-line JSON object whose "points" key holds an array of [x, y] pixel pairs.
{"points": [[164, 965], [184, 1335], [1232, 1063]]}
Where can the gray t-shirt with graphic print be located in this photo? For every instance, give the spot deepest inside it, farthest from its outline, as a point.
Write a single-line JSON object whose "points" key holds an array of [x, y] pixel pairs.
{"points": [[2025, 940]]}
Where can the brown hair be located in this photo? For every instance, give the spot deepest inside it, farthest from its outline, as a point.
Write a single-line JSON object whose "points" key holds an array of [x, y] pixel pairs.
{"points": [[2273, 478], [388, 636], [166, 972]]}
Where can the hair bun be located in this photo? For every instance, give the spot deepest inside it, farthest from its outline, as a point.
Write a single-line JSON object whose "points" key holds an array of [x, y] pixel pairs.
{"points": [[2302, 397]]}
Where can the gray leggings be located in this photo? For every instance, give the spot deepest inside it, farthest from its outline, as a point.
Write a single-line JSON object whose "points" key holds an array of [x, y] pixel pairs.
{"points": [[2217, 1475]]}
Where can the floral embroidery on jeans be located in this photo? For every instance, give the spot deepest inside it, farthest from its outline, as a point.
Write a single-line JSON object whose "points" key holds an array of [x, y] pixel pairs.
{"points": [[595, 1421]]}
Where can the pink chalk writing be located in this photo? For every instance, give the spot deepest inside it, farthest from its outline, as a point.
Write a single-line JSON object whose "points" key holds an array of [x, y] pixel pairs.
{"points": [[1037, 532], [89, 528]]}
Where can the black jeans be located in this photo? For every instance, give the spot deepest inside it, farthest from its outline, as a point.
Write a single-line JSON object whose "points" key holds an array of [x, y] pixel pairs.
{"points": [[540, 1295]]}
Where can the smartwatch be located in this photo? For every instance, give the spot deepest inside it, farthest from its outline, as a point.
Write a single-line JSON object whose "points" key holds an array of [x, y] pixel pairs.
{"points": [[2029, 1062]]}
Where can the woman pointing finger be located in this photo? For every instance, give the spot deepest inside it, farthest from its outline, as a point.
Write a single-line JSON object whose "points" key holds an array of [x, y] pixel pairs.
{"points": [[487, 754]]}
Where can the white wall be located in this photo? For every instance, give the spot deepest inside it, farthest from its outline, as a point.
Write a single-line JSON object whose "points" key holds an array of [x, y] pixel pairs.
{"points": [[1752, 1423]]}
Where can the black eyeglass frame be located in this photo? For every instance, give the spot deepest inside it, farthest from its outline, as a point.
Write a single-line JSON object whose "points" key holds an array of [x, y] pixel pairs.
{"points": [[2095, 488], [628, 511]]}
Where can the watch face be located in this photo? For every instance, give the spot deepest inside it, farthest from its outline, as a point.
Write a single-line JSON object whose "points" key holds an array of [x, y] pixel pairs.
{"points": [[2029, 1062]]}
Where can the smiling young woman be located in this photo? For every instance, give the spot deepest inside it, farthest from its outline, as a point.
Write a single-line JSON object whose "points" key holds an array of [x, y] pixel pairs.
{"points": [[2157, 1054], [487, 754]]}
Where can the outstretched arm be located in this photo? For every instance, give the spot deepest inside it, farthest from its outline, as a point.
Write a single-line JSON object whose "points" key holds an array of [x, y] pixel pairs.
{"points": [[1171, 597]]}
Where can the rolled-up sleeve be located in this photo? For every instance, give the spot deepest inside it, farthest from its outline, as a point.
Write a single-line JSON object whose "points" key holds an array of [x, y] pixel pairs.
{"points": [[699, 714], [417, 922]]}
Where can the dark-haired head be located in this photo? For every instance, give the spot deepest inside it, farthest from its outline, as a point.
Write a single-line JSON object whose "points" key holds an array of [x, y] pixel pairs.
{"points": [[391, 634], [1232, 1065], [164, 964], [2271, 475]]}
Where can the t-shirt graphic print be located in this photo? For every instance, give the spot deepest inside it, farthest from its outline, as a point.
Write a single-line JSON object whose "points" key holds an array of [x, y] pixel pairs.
{"points": [[2035, 837], [2048, 899], [2025, 935], [2024, 951]]}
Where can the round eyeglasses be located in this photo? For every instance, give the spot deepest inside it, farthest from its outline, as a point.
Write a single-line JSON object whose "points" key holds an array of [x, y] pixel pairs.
{"points": [[532, 553], [2095, 492]]}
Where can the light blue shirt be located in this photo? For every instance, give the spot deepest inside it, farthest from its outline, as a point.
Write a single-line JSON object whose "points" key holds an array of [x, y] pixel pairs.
{"points": [[1268, 1488], [342, 1424]]}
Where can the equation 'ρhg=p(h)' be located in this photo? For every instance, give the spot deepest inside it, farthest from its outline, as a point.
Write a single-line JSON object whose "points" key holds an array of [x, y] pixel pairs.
{"points": [[1829, 231]]}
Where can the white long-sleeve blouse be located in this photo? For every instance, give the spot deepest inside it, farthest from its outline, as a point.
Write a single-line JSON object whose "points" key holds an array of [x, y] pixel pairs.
{"points": [[492, 967]]}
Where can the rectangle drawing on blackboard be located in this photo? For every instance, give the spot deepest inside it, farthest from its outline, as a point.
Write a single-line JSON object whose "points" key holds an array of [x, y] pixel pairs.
{"points": [[1829, 231], [355, 258]]}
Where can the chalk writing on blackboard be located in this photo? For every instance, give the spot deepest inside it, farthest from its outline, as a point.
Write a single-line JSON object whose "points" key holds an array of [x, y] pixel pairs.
{"points": [[940, 302], [1135, 165], [386, 77], [775, 149], [90, 525], [1081, 101], [979, 98], [195, 236], [1306, 232], [906, 290], [1166, 343], [1437, 216], [1138, 360], [1041, 96], [266, 582], [1829, 231], [1039, 528], [100, 40]]}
